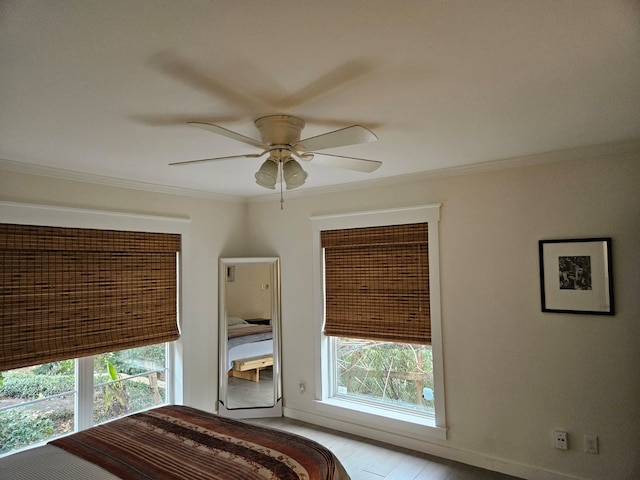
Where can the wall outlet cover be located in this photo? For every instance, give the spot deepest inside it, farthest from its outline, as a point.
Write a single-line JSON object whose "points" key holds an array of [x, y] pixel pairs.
{"points": [[591, 444], [560, 440]]}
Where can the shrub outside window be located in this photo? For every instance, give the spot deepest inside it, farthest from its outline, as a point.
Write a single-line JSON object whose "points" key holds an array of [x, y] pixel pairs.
{"points": [[42, 402]]}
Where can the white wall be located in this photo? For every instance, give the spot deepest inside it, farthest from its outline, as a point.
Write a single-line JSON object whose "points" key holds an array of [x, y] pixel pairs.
{"points": [[512, 373], [216, 229], [246, 296]]}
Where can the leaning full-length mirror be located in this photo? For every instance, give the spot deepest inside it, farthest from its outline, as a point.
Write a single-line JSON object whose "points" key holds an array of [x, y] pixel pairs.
{"points": [[249, 318]]}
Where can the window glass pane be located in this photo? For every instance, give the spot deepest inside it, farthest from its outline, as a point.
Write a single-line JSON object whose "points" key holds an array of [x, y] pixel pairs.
{"points": [[36, 404], [128, 381], [396, 375]]}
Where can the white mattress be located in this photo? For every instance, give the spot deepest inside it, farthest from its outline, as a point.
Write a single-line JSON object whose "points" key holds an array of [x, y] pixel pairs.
{"points": [[247, 350], [49, 463]]}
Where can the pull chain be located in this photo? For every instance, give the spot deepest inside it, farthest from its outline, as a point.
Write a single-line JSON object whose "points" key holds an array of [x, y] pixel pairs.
{"points": [[280, 170]]}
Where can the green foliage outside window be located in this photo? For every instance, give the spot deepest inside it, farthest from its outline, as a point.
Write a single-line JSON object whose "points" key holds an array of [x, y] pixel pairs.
{"points": [[63, 367], [115, 394], [133, 361], [19, 430], [395, 374], [30, 386]]}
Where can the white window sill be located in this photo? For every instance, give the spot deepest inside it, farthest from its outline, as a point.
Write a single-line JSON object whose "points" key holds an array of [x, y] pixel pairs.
{"points": [[419, 427]]}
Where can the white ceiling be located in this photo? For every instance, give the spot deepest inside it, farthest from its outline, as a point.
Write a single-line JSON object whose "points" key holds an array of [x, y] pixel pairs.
{"points": [[103, 89]]}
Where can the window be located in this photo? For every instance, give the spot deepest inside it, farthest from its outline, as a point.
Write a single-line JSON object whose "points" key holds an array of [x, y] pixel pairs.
{"points": [[36, 403], [128, 381], [41, 402], [86, 315], [393, 375], [381, 356]]}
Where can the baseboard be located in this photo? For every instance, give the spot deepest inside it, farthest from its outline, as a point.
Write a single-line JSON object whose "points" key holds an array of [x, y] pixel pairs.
{"points": [[470, 458]]}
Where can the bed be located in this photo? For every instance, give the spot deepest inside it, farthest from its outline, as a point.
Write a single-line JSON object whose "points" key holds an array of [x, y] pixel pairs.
{"points": [[176, 442], [247, 340]]}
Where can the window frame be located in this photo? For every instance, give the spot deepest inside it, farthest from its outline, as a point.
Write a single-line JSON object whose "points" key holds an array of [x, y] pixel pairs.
{"points": [[415, 426]]}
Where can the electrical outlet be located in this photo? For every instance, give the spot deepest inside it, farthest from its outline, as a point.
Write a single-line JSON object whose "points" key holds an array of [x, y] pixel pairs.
{"points": [[591, 444], [560, 440], [302, 387]]}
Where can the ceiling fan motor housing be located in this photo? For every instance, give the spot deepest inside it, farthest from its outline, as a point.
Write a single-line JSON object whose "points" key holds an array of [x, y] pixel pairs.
{"points": [[279, 129]]}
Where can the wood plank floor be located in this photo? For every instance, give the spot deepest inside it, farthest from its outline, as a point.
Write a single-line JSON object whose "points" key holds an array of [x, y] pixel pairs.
{"points": [[369, 460], [245, 393]]}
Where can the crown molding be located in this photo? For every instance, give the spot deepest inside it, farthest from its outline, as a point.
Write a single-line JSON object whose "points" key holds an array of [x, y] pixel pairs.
{"points": [[33, 169], [616, 149]]}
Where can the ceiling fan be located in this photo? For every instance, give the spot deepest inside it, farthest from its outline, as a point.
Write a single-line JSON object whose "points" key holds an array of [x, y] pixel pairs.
{"points": [[280, 140]]}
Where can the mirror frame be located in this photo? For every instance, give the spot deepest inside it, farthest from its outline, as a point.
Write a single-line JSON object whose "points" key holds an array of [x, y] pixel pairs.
{"points": [[274, 410]]}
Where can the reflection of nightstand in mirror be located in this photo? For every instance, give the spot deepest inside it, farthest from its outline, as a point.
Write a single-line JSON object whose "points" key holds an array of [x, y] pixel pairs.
{"points": [[258, 321]]}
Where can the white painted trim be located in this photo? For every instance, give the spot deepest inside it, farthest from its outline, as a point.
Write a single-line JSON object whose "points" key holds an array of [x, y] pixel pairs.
{"points": [[394, 216], [389, 216], [436, 315], [418, 427], [437, 449], [48, 215], [83, 417]]}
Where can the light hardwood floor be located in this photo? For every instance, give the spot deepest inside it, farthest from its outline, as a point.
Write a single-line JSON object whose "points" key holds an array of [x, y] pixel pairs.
{"points": [[368, 460], [245, 393]]}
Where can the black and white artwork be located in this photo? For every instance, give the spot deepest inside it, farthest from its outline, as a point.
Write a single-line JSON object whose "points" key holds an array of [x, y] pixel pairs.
{"points": [[576, 276], [575, 273]]}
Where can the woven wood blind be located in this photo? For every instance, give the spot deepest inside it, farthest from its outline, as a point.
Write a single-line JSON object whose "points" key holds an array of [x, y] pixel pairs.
{"points": [[377, 283], [72, 292]]}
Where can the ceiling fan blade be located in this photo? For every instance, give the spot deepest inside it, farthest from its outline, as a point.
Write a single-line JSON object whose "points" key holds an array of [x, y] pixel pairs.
{"points": [[338, 138], [228, 133], [347, 163], [193, 75], [180, 119], [338, 78], [204, 160]]}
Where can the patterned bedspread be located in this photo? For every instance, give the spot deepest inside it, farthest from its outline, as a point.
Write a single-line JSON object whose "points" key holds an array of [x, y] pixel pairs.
{"points": [[177, 442]]}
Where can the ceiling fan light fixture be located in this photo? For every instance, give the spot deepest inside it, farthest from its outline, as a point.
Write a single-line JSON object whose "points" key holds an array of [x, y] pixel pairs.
{"points": [[267, 175], [294, 175], [281, 138]]}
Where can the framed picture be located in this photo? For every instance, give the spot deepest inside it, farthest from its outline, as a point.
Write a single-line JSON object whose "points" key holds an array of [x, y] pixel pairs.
{"points": [[576, 276]]}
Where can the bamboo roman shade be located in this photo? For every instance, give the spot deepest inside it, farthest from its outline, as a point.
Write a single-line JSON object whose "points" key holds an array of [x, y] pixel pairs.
{"points": [[73, 292], [377, 283]]}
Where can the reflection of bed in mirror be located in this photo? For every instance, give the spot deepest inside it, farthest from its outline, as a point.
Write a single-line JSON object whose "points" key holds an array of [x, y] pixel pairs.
{"points": [[249, 347]]}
